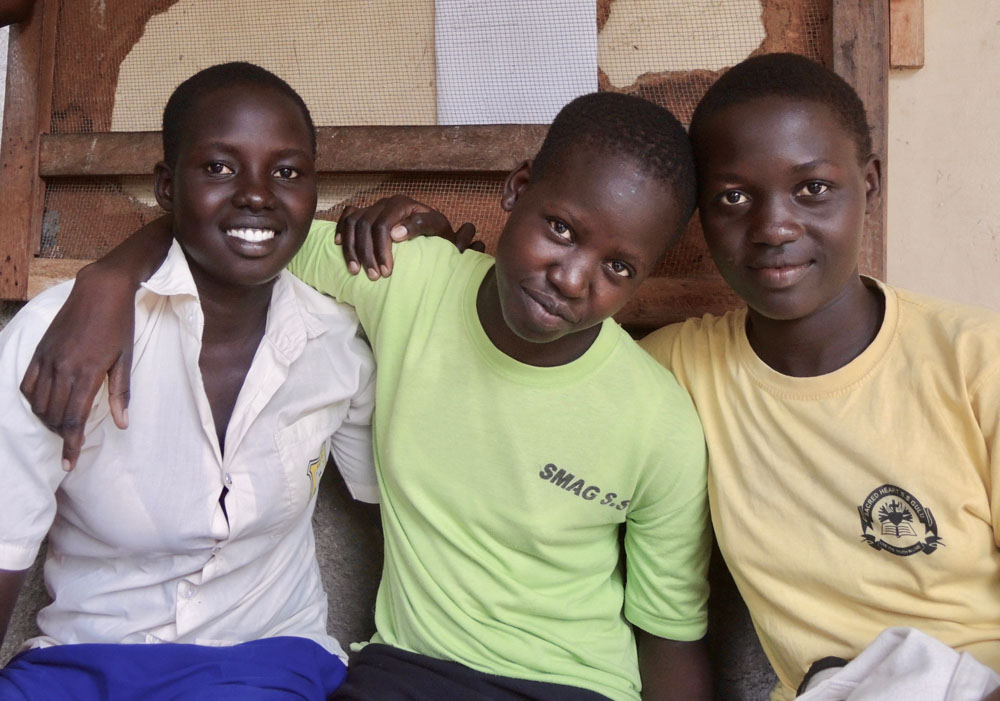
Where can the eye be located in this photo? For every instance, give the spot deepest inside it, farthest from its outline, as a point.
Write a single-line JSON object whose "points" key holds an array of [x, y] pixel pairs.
{"points": [[287, 173], [812, 189], [733, 197], [560, 229], [219, 169], [620, 268]]}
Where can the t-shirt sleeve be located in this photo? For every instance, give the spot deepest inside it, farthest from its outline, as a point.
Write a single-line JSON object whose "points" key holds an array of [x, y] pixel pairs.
{"points": [[31, 463], [661, 343], [352, 443], [986, 406], [668, 533], [419, 265], [320, 264]]}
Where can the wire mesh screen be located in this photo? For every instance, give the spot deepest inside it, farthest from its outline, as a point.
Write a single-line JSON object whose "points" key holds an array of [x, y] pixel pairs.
{"points": [[398, 62]]}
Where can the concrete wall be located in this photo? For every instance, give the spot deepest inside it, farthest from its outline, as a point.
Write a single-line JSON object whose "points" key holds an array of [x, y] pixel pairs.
{"points": [[944, 146]]}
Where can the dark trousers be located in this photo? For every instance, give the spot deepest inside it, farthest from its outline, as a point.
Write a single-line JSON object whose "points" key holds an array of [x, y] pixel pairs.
{"points": [[385, 673]]}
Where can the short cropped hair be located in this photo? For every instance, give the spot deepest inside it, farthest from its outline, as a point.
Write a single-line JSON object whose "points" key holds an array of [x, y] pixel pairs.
{"points": [[624, 125], [789, 76], [185, 97]]}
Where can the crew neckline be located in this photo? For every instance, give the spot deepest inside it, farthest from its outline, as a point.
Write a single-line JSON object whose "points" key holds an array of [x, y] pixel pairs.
{"points": [[841, 379]]}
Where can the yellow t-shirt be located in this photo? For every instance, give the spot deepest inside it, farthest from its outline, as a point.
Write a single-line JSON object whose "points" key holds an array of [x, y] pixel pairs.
{"points": [[861, 499]]}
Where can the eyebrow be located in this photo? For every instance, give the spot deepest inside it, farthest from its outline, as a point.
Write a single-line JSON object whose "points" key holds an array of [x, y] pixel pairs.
{"points": [[284, 153], [812, 164]]}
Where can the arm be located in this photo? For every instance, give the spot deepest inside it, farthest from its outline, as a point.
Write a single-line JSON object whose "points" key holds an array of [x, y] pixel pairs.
{"points": [[672, 669], [10, 586], [91, 337], [367, 234], [351, 446]]}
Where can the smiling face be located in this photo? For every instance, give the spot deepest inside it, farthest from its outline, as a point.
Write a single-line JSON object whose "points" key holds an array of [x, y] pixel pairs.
{"points": [[782, 201], [243, 189], [578, 243]]}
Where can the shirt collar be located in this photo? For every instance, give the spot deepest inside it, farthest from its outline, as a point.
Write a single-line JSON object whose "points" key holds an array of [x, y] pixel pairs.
{"points": [[289, 323]]}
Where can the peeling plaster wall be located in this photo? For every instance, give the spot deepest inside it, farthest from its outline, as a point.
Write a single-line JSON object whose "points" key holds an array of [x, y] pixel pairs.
{"points": [[350, 34], [944, 146]]}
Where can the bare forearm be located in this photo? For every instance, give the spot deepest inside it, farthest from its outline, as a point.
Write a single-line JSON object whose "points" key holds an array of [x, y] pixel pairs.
{"points": [[10, 586], [671, 669], [138, 256]]}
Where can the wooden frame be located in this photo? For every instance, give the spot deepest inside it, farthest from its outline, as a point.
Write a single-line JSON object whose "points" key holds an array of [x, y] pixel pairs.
{"points": [[29, 154], [906, 31]]}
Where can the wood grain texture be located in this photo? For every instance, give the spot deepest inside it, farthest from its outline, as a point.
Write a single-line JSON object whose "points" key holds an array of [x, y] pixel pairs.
{"points": [[18, 154], [408, 149], [46, 272], [906, 31], [861, 57]]}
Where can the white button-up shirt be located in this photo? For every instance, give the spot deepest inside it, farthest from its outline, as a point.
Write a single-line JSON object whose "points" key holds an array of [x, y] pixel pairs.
{"points": [[140, 549]]}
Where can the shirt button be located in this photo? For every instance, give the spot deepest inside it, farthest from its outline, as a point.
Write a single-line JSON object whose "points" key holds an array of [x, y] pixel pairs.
{"points": [[187, 591], [228, 479]]}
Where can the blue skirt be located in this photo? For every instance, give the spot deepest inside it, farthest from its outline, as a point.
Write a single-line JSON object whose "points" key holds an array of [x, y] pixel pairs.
{"points": [[260, 670]]}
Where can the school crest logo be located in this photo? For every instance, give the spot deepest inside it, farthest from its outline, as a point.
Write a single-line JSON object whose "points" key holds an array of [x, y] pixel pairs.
{"points": [[315, 468], [894, 520]]}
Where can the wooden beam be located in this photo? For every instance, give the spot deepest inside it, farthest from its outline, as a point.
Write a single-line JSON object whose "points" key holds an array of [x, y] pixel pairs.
{"points": [[906, 29], [861, 57], [46, 272], [428, 149], [660, 300]]}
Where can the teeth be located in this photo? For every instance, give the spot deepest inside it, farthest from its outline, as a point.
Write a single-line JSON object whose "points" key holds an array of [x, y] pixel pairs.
{"points": [[251, 235]]}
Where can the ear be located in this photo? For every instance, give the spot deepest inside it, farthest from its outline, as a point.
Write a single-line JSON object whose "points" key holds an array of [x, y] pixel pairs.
{"points": [[873, 183], [516, 182], [163, 186]]}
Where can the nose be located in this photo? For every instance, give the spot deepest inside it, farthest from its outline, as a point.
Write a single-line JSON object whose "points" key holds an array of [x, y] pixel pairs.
{"points": [[775, 223], [253, 191], [570, 276]]}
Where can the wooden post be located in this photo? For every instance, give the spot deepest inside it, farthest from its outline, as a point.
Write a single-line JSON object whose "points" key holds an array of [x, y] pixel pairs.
{"points": [[19, 154], [861, 57]]}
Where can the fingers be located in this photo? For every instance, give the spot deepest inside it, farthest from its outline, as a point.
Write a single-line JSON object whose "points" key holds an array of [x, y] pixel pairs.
{"points": [[354, 233], [465, 235], [72, 444], [345, 237], [119, 378], [62, 401], [367, 234]]}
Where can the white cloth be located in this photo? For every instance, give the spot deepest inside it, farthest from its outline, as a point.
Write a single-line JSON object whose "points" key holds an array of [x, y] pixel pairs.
{"points": [[514, 62], [140, 549], [904, 663]]}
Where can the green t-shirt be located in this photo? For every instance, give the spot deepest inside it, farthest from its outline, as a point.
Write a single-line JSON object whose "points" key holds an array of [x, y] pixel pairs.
{"points": [[503, 486]]}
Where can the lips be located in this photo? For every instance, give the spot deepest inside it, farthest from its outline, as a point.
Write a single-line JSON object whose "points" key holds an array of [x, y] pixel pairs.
{"points": [[252, 239], [779, 274], [551, 305]]}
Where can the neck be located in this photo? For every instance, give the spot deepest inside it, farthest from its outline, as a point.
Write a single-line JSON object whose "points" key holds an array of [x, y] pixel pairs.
{"points": [[233, 311], [824, 341], [561, 351]]}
